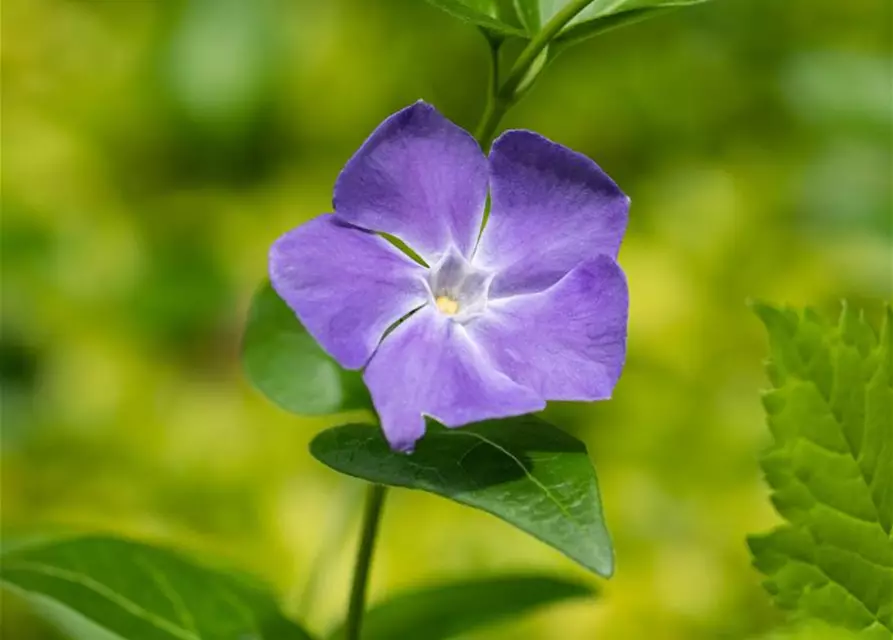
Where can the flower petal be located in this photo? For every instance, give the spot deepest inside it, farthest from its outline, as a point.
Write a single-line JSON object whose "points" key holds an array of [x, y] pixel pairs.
{"points": [[565, 343], [347, 286], [430, 366], [418, 177], [551, 208]]}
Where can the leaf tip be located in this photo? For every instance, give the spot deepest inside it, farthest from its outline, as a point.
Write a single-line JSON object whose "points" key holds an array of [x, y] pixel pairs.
{"points": [[764, 311], [603, 564]]}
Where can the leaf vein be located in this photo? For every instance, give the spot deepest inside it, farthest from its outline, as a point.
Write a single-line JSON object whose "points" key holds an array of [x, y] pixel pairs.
{"points": [[237, 604], [171, 594], [102, 590], [849, 453], [874, 614], [530, 476]]}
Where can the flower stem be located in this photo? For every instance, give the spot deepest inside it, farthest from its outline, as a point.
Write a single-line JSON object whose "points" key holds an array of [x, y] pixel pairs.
{"points": [[502, 97], [375, 495], [494, 110]]}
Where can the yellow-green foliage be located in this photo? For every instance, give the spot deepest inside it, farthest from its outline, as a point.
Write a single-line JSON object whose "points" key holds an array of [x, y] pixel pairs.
{"points": [[831, 470], [151, 154]]}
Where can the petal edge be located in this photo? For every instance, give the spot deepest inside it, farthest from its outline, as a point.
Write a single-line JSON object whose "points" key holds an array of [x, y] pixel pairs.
{"points": [[347, 286], [565, 343], [418, 177], [429, 366], [551, 208]]}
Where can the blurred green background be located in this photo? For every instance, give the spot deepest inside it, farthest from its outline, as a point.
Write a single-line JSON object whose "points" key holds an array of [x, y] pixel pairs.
{"points": [[153, 150]]}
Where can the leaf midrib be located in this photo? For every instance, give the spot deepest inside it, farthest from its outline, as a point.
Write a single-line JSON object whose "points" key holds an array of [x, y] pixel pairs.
{"points": [[527, 473], [171, 594], [160, 623], [850, 453], [872, 614]]}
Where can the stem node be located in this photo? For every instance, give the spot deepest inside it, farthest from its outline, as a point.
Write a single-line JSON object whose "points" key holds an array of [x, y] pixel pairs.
{"points": [[502, 97]]}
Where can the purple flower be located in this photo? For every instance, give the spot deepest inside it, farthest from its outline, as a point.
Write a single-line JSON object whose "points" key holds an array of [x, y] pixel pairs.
{"points": [[532, 308]]}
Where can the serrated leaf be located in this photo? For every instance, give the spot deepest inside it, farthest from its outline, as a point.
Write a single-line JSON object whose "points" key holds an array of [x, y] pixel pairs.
{"points": [[523, 470], [448, 610], [287, 365], [830, 412], [490, 14], [114, 589], [811, 630]]}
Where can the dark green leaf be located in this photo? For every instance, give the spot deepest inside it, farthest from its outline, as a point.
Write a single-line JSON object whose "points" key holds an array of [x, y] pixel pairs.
{"points": [[98, 588], [285, 363], [490, 14], [446, 611], [830, 467], [523, 470]]}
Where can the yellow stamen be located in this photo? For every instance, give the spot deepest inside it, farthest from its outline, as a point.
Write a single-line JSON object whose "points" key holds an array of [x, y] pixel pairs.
{"points": [[447, 305]]}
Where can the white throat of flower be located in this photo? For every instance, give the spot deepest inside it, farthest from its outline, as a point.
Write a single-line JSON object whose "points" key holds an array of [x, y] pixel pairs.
{"points": [[458, 288]]}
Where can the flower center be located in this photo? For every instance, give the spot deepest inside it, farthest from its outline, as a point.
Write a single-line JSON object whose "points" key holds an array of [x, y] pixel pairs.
{"points": [[458, 288], [447, 305]]}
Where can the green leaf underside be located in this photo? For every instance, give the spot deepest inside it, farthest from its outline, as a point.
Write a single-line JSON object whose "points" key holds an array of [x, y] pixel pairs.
{"points": [[577, 32], [446, 611], [597, 17], [97, 588], [830, 412], [602, 8], [287, 365], [604, 15], [522, 470], [484, 13]]}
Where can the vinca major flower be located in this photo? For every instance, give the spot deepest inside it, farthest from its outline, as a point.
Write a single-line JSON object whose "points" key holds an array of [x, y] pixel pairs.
{"points": [[502, 316]]}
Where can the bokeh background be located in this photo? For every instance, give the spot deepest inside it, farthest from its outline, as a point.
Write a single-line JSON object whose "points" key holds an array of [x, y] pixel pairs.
{"points": [[152, 151]]}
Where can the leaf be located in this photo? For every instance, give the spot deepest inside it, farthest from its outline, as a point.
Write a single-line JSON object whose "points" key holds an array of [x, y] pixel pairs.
{"points": [[490, 14], [112, 589], [577, 32], [599, 9], [810, 630], [533, 72], [527, 17], [523, 470], [830, 467], [599, 16], [448, 610], [287, 365], [530, 14]]}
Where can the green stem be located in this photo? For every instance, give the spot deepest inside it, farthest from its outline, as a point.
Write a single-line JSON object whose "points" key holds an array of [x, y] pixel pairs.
{"points": [[540, 41], [494, 110], [502, 98], [375, 496]]}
